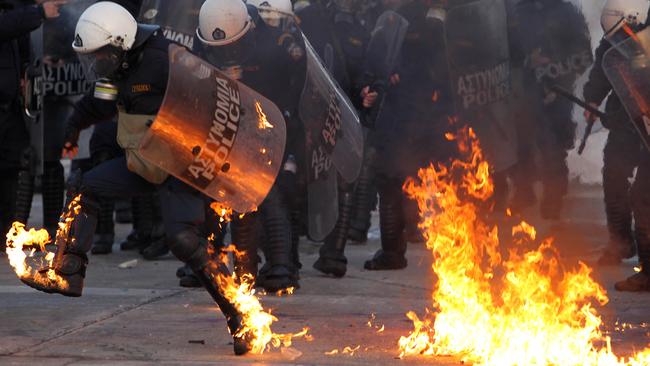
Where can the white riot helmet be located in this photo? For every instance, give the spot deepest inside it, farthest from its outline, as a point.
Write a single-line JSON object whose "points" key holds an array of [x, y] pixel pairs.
{"points": [[617, 13], [273, 12], [222, 22], [104, 32]]}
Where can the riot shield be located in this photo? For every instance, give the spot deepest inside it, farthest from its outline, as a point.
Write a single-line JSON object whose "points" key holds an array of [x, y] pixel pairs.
{"points": [[383, 50], [215, 134], [556, 41], [178, 19], [330, 119], [58, 81], [386, 43], [479, 68], [627, 66], [334, 143]]}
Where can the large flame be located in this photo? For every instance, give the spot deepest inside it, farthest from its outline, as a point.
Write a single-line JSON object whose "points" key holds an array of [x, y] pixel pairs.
{"points": [[523, 308], [20, 240], [240, 291]]}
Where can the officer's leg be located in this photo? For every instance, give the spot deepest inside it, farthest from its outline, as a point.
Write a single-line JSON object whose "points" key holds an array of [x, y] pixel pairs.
{"points": [[620, 158], [105, 232], [53, 183], [332, 258], [8, 184], [391, 226], [245, 235], [365, 198], [276, 222], [555, 179], [213, 229], [143, 223], [641, 204], [558, 137], [183, 213], [158, 242], [111, 179], [24, 192]]}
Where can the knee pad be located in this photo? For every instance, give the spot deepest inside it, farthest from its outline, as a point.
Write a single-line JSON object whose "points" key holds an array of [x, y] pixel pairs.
{"points": [[190, 249]]}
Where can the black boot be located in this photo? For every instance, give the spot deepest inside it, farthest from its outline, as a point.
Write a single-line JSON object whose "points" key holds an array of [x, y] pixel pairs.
{"points": [[332, 259], [53, 183], [245, 236], [69, 264], [105, 233], [143, 223], [391, 225], [192, 250], [25, 189], [103, 244], [277, 226], [296, 231], [365, 200], [158, 248]]}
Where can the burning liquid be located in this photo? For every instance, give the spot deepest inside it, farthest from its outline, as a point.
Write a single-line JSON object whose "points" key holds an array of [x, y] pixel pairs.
{"points": [[521, 309], [240, 291], [19, 240]]}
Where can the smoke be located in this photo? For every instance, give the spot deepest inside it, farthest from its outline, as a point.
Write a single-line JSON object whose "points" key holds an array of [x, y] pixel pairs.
{"points": [[587, 168]]}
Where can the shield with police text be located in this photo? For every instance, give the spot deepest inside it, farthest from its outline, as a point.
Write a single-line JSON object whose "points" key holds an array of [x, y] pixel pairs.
{"points": [[334, 143], [178, 19], [627, 66], [479, 70], [555, 39], [216, 134], [330, 119], [55, 81]]}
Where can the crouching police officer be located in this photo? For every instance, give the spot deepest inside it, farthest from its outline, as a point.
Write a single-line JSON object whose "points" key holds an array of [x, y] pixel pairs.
{"points": [[113, 46]]}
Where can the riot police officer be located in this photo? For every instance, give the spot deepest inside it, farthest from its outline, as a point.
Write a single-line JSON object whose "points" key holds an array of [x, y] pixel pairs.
{"points": [[341, 41], [623, 150], [246, 50], [554, 48], [410, 130], [16, 21], [133, 61]]}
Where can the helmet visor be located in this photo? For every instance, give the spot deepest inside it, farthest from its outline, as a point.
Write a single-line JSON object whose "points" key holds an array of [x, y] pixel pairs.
{"points": [[101, 64]]}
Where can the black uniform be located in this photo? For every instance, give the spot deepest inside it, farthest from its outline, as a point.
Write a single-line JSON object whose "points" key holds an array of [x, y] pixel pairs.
{"points": [[16, 21], [623, 153], [267, 67], [550, 42], [141, 81], [410, 131], [341, 41]]}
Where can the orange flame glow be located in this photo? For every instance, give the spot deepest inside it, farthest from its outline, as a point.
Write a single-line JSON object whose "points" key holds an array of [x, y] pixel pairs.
{"points": [[523, 308], [263, 121], [240, 291], [26, 265]]}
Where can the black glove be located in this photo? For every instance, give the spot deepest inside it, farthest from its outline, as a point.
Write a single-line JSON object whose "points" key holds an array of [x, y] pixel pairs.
{"points": [[71, 137]]}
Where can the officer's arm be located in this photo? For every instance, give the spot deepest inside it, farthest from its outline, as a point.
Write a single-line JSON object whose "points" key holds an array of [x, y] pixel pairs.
{"points": [[19, 22], [598, 86], [89, 111]]}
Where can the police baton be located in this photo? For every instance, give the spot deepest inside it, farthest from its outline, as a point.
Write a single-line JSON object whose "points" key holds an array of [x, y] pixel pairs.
{"points": [[586, 106]]}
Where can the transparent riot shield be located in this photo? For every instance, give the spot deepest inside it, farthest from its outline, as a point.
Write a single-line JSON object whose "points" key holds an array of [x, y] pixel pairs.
{"points": [[334, 143], [479, 69], [558, 50], [216, 134], [56, 81], [386, 43], [322, 194], [627, 66], [330, 119], [178, 19]]}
